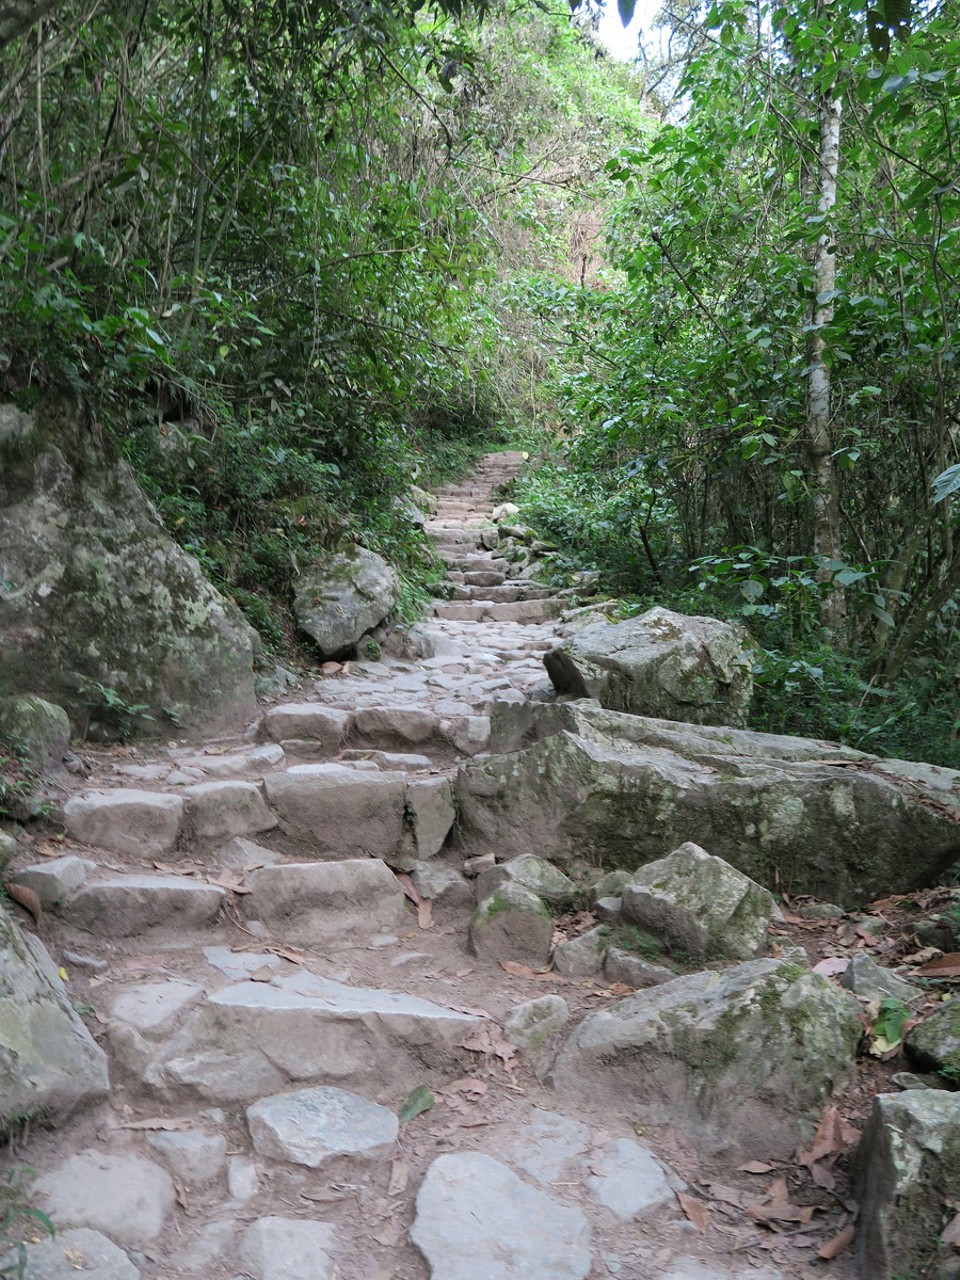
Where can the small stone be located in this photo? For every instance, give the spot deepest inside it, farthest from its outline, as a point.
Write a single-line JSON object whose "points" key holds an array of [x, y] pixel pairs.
{"points": [[511, 924], [397, 723], [628, 1180], [819, 910], [582, 957], [195, 1157], [56, 881], [126, 1197], [290, 1249], [326, 726], [243, 1180], [218, 809], [243, 854], [314, 1127], [327, 901], [431, 811], [143, 1017], [440, 883], [544, 1145], [868, 980], [531, 1024], [473, 866], [634, 971]]}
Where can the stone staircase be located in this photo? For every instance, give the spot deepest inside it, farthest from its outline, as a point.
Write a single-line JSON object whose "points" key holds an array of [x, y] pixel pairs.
{"points": [[268, 938]]}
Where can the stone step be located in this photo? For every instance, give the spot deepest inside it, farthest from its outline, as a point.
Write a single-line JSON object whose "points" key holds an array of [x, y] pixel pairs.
{"points": [[327, 904], [127, 906], [521, 611], [483, 578], [508, 591]]}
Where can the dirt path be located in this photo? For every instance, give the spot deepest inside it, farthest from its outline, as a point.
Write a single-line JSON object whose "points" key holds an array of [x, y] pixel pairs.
{"points": [[234, 935]]}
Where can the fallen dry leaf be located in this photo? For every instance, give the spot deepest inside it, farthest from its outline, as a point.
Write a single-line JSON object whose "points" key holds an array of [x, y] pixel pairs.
{"points": [[524, 971], [695, 1210], [831, 965], [266, 973], [489, 1038], [26, 897], [945, 966], [408, 887], [836, 1246], [399, 1178], [425, 913], [226, 880], [285, 953], [754, 1166], [324, 1195]]}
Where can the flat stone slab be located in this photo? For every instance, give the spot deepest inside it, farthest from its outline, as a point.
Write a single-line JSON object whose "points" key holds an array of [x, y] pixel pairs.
{"points": [[136, 822], [197, 1158], [326, 726], [476, 1220], [339, 811], [223, 809], [290, 1249], [79, 1251], [143, 1016], [123, 906], [126, 1197], [56, 881], [313, 1127], [254, 1038], [379, 725], [544, 1145], [628, 1179], [319, 903]]}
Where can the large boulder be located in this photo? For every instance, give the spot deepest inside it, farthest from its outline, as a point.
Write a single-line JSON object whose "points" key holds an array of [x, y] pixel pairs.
{"points": [[660, 664], [344, 595], [49, 1063], [100, 610], [36, 730], [575, 781], [716, 1053], [908, 1169]]}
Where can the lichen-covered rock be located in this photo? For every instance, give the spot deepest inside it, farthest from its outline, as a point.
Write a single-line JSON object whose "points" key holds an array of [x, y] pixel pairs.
{"points": [[577, 782], [511, 924], [716, 1053], [908, 1170], [582, 957], [871, 981], [531, 1024], [660, 664], [934, 1043], [36, 729], [95, 595], [343, 596], [49, 1063], [533, 873], [700, 905]]}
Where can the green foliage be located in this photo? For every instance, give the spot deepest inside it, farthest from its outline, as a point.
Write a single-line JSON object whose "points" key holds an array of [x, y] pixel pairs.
{"points": [[419, 1101], [18, 1215]]}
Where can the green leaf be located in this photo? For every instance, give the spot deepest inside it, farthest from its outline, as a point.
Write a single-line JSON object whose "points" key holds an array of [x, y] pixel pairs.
{"points": [[896, 14], [419, 1101], [878, 34], [751, 589], [888, 1028]]}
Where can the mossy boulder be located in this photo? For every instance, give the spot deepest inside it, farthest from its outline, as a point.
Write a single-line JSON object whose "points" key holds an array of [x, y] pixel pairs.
{"points": [[573, 781], [342, 596], [659, 664], [934, 1043], [742, 1060], [100, 611], [37, 730], [536, 874], [511, 923]]}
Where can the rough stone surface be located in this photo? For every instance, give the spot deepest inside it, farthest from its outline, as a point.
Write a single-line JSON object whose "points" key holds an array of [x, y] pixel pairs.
{"points": [[322, 903], [79, 1250], [339, 812], [56, 881], [908, 1171], [290, 1249], [404, 725], [251, 1038], [700, 905], [125, 905], [49, 1063], [143, 1016], [196, 1158], [622, 790], [126, 1197], [431, 812], [545, 1145], [38, 730], [440, 883], [530, 872], [342, 596], [316, 1127], [934, 1043], [531, 1024], [870, 981], [143, 823], [716, 1053], [660, 664], [476, 1220], [103, 595], [628, 1180], [326, 726], [511, 924], [216, 810], [620, 965], [582, 957]]}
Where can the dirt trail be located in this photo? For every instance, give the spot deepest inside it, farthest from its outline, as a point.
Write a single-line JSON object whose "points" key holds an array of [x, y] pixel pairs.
{"points": [[215, 971]]}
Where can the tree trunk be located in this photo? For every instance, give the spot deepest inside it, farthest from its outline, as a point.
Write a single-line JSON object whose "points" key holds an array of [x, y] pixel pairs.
{"points": [[18, 16], [821, 473]]}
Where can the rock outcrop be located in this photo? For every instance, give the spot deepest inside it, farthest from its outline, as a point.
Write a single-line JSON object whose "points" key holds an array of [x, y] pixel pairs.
{"points": [[100, 610], [661, 664]]}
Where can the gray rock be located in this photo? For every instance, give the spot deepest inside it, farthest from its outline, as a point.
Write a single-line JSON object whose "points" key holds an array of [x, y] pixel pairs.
{"points": [[380, 726], [326, 726], [142, 823], [37, 730], [476, 1220], [660, 664], [717, 1052], [610, 885], [253, 1038], [105, 596], [126, 1197], [934, 1043], [200, 1254], [629, 1180], [582, 957], [531, 1024], [544, 1145], [620, 965], [219, 809], [700, 905], [869, 980], [340, 812], [241, 854], [530, 872], [323, 1126], [124, 906], [56, 881], [196, 1158], [440, 883], [511, 924], [469, 735], [907, 1167], [70, 1252], [343, 595], [290, 1249], [325, 903], [243, 1178], [608, 910], [623, 789], [8, 849], [142, 1017], [49, 1063], [430, 811]]}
